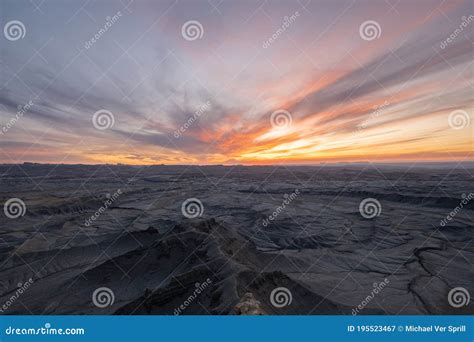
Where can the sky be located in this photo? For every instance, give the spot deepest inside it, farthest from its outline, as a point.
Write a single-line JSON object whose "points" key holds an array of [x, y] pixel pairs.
{"points": [[236, 82]]}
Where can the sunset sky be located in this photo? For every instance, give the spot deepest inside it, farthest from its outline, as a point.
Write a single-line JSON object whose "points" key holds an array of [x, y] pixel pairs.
{"points": [[405, 94]]}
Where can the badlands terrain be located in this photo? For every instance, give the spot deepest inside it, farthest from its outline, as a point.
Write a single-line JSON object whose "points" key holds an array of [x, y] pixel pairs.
{"points": [[168, 240]]}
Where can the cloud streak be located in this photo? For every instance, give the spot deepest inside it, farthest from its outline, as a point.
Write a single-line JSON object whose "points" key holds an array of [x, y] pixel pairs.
{"points": [[387, 99]]}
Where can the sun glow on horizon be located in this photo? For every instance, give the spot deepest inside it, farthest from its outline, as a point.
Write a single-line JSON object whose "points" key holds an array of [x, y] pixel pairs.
{"points": [[311, 95]]}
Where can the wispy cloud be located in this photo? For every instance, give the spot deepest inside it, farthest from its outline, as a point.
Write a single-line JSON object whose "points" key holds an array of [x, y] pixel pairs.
{"points": [[319, 70]]}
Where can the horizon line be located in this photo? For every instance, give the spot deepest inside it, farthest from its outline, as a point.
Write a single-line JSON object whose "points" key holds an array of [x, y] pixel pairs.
{"points": [[390, 163]]}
